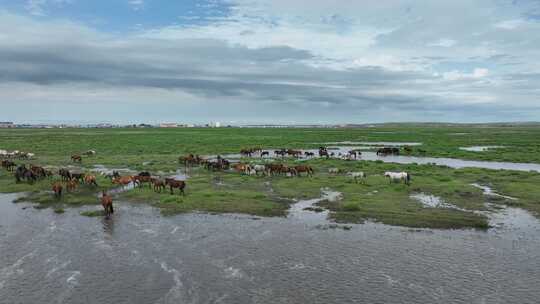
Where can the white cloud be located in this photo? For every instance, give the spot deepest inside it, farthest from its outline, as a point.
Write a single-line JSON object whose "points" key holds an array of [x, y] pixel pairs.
{"points": [[38, 7], [136, 4], [477, 73], [443, 43]]}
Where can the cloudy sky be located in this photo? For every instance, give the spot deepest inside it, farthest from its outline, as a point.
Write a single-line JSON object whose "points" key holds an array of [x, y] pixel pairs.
{"points": [[269, 61]]}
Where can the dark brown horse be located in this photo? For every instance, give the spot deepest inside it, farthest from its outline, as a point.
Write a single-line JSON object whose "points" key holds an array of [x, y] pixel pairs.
{"points": [[65, 174], [8, 165], [173, 184], [107, 203], [140, 180], [76, 158]]}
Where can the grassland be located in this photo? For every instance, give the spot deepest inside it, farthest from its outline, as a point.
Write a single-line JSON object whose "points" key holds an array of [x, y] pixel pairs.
{"points": [[158, 149]]}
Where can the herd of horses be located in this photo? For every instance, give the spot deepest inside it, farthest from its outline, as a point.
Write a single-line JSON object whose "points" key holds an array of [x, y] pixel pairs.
{"points": [[70, 179]]}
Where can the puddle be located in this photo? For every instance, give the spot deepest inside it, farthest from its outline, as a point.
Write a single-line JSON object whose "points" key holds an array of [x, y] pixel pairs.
{"points": [[480, 148], [307, 210], [432, 201]]}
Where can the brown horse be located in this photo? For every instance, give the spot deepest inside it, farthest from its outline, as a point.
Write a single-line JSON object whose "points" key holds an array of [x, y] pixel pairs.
{"points": [[273, 169], [140, 180], [57, 189], [172, 183], [76, 158], [123, 180], [107, 203], [240, 168], [307, 169], [71, 185], [78, 176], [159, 185], [90, 180]]}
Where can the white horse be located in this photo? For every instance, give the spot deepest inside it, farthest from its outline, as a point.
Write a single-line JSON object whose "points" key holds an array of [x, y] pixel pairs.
{"points": [[259, 168], [334, 170], [358, 175], [398, 176]]}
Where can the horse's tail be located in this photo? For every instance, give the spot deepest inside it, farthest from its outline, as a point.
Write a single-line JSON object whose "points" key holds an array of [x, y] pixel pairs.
{"points": [[408, 177]]}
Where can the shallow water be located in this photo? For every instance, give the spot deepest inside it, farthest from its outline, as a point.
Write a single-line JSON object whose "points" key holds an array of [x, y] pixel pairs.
{"points": [[480, 148], [403, 159], [139, 256]]}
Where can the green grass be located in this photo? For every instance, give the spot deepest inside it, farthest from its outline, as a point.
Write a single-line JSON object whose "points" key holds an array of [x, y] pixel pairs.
{"points": [[376, 199]]}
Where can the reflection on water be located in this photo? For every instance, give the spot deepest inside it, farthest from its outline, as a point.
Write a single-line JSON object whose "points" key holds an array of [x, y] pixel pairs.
{"points": [[141, 257]]}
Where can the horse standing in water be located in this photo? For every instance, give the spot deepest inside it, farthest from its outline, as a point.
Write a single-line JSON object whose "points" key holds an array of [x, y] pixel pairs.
{"points": [[107, 203]]}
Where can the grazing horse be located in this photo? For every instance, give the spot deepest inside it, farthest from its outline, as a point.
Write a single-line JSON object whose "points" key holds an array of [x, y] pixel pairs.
{"points": [[358, 175], [159, 185], [23, 173], [265, 153], [140, 180], [65, 174], [246, 152], [39, 172], [258, 168], [78, 176], [89, 153], [71, 185], [354, 154], [113, 175], [123, 180], [240, 167], [272, 169], [90, 180], [294, 153], [107, 203], [9, 165], [334, 170], [190, 160], [57, 189], [309, 154], [172, 183], [76, 158], [290, 171], [307, 169], [398, 176], [387, 151], [323, 152], [281, 152]]}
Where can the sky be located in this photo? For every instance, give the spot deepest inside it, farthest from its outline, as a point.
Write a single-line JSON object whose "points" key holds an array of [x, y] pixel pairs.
{"points": [[269, 61]]}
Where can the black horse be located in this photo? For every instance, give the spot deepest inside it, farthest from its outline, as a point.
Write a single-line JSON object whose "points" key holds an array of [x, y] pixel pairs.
{"points": [[23, 173]]}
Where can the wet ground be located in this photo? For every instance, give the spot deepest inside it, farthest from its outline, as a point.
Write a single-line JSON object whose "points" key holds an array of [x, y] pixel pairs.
{"points": [[139, 256]]}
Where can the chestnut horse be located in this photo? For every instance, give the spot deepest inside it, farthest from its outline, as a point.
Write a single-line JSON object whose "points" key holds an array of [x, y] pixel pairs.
{"points": [[107, 203], [307, 169], [90, 180], [57, 189]]}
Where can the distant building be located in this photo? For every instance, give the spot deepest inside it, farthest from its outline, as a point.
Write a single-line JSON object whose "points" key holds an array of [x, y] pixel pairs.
{"points": [[7, 124], [168, 125]]}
